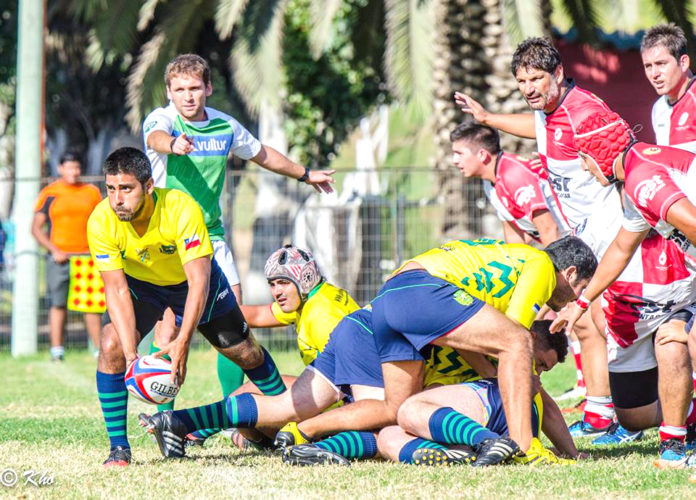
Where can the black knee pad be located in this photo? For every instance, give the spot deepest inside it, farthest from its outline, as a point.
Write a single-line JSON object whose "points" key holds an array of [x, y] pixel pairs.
{"points": [[227, 330], [633, 389]]}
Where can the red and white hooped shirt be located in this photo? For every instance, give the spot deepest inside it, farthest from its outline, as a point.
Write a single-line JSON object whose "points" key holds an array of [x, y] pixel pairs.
{"points": [[520, 191]]}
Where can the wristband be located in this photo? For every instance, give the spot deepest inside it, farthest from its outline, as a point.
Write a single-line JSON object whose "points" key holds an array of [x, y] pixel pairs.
{"points": [[305, 176], [583, 302], [171, 145]]}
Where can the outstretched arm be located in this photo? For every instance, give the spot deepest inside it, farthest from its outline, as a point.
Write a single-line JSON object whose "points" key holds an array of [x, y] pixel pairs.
{"points": [[521, 125], [277, 162], [259, 316]]}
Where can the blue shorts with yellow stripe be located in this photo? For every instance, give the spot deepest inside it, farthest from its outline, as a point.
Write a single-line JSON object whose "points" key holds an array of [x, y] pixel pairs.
{"points": [[414, 308]]}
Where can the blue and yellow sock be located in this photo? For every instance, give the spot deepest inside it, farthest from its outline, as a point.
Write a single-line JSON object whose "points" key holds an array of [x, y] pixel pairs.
{"points": [[449, 426], [113, 399], [166, 406], [351, 444], [235, 411], [407, 450], [266, 376]]}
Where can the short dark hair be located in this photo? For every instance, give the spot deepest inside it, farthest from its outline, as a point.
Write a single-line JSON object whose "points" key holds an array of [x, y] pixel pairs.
{"points": [[572, 251], [480, 135], [128, 161], [556, 341], [536, 53], [187, 64], [669, 35], [70, 155]]}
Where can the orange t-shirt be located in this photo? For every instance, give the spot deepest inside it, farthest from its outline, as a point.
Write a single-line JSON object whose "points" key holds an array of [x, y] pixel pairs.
{"points": [[67, 208]]}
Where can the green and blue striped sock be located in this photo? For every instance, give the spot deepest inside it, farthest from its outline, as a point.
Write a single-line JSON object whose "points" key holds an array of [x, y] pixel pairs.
{"points": [[213, 416], [113, 399], [451, 427], [351, 444], [266, 376]]}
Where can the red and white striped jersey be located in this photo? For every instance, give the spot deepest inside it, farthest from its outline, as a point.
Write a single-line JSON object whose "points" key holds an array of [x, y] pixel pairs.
{"points": [[657, 177], [675, 124], [657, 282], [581, 196], [520, 191]]}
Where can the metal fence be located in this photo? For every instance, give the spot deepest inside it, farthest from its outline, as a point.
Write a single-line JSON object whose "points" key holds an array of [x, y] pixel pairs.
{"points": [[359, 234]]}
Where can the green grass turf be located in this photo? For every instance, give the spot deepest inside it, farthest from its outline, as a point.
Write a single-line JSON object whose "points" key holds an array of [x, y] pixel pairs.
{"points": [[50, 423]]}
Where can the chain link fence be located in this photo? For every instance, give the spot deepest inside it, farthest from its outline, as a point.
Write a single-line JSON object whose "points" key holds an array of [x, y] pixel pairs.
{"points": [[358, 234]]}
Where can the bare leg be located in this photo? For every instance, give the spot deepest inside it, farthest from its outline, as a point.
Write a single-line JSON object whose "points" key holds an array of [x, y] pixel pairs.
{"points": [[492, 333], [93, 326], [593, 352], [56, 323], [675, 385], [390, 441]]}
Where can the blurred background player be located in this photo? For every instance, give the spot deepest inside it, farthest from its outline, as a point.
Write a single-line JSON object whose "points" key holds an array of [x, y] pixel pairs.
{"points": [[592, 211], [189, 145], [666, 64], [152, 249], [60, 226]]}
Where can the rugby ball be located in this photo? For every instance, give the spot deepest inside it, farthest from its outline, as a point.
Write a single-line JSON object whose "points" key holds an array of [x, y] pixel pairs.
{"points": [[148, 379]]}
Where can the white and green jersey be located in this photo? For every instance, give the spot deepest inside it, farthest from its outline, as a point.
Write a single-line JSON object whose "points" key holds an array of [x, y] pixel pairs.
{"points": [[200, 173]]}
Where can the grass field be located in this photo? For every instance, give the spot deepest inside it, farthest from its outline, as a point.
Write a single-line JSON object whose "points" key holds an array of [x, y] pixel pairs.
{"points": [[50, 423]]}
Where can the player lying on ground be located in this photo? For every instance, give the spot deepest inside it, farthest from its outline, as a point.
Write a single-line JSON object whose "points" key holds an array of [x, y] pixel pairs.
{"points": [[451, 425], [658, 194], [152, 249]]}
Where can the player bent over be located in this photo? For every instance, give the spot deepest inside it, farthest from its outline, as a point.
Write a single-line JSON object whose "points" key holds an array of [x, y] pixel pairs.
{"points": [[152, 249], [448, 427], [659, 189]]}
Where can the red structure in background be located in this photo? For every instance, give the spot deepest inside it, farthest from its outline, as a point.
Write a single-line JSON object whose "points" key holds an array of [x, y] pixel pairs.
{"points": [[617, 77]]}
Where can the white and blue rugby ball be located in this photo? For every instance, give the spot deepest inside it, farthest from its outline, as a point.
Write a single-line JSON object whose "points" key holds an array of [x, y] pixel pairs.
{"points": [[148, 379]]}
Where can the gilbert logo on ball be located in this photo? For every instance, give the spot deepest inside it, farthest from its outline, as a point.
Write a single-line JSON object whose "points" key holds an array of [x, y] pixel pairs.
{"points": [[86, 289], [148, 379]]}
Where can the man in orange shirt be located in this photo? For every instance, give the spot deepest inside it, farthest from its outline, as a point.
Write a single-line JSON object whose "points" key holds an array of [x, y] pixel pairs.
{"points": [[64, 207]]}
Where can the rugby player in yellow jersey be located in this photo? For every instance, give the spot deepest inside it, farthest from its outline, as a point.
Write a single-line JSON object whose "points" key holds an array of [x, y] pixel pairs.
{"points": [[301, 297], [478, 296], [152, 249]]}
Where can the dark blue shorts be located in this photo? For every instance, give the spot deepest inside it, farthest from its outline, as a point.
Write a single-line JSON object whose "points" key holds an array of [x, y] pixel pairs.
{"points": [[150, 301], [350, 357], [489, 392], [414, 308]]}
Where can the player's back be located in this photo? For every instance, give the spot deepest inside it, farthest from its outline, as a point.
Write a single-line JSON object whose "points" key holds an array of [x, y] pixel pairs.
{"points": [[516, 279]]}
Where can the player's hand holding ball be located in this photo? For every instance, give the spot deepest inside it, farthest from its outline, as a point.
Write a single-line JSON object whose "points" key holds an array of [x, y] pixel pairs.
{"points": [[149, 379]]}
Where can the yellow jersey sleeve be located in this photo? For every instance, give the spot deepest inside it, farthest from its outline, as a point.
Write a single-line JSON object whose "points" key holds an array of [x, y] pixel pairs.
{"points": [[103, 240], [283, 317], [535, 284], [192, 239]]}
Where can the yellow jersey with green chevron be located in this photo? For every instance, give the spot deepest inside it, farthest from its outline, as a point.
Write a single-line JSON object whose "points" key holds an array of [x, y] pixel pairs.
{"points": [[325, 307], [516, 279]]}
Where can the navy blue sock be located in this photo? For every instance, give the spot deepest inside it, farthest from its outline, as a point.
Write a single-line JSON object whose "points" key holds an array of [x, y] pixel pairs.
{"points": [[213, 416], [113, 399], [413, 445], [242, 411], [351, 444], [266, 376], [451, 427]]}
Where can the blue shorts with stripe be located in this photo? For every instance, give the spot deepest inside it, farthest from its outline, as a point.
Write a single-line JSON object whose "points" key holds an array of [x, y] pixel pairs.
{"points": [[489, 393], [150, 301], [350, 356], [414, 308]]}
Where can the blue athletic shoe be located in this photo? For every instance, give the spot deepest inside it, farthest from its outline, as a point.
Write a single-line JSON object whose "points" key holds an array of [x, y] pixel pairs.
{"points": [[672, 455], [583, 429], [616, 434]]}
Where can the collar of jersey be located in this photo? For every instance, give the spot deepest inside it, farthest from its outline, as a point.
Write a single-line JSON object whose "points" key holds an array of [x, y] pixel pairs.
{"points": [[315, 289]]}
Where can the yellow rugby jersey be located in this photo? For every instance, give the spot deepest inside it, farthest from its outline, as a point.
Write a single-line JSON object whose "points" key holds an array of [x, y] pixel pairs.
{"points": [[516, 279], [325, 307], [175, 235]]}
